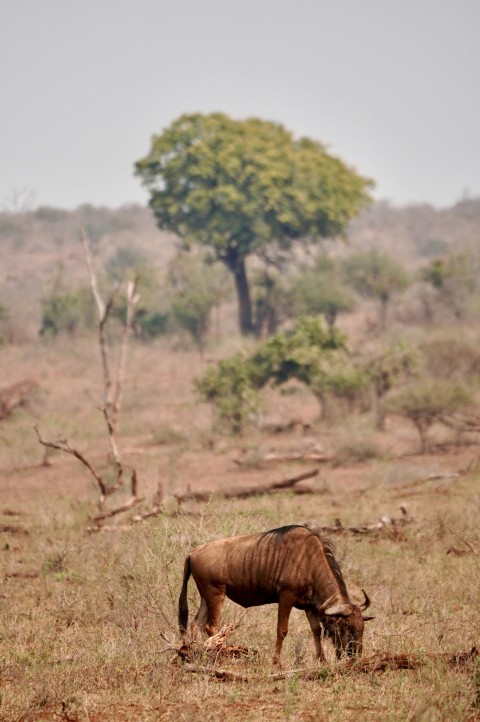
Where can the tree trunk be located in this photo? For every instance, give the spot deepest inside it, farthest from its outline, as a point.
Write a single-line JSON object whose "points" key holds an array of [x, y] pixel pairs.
{"points": [[236, 264]]}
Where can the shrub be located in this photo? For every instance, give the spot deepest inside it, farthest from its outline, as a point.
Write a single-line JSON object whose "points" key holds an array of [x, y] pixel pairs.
{"points": [[451, 358], [151, 324], [302, 353], [321, 290], [195, 286], [355, 451], [342, 381], [67, 311], [426, 402], [392, 366], [375, 275], [228, 386]]}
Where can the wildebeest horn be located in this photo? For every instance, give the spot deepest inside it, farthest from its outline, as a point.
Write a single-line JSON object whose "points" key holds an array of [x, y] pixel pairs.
{"points": [[366, 603], [329, 601], [339, 610]]}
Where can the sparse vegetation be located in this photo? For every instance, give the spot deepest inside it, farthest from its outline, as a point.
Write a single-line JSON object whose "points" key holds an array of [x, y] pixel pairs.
{"points": [[375, 275], [307, 352], [67, 312], [89, 620], [322, 290], [428, 401]]}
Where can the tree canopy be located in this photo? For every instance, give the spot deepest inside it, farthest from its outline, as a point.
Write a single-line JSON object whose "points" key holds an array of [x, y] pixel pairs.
{"points": [[247, 187]]}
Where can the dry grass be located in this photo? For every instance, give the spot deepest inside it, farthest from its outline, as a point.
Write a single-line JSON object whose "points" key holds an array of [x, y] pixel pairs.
{"points": [[88, 621]]}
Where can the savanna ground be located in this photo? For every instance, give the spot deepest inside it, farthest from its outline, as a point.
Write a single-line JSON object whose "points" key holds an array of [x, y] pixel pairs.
{"points": [[88, 620]]}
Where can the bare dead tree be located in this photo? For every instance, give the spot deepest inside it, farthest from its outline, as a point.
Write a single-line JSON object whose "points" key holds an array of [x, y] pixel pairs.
{"points": [[113, 384]]}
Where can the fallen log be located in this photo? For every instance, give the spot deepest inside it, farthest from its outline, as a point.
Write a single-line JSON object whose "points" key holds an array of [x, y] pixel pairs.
{"points": [[380, 662], [243, 492]]}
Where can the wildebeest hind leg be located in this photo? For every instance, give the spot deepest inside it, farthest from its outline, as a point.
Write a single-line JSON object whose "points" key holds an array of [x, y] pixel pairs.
{"points": [[215, 609], [317, 632], [198, 624]]}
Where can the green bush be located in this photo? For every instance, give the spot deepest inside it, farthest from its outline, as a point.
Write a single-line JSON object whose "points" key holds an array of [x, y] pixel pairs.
{"points": [[191, 310], [302, 352], [229, 387], [151, 324], [67, 312], [195, 285], [392, 366], [321, 291], [377, 276]]}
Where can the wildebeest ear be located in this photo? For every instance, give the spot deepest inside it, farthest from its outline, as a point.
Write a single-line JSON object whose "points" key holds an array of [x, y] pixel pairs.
{"points": [[339, 610], [367, 619]]}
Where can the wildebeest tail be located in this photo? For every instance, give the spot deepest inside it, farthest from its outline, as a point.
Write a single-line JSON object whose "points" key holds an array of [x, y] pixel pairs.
{"points": [[182, 600]]}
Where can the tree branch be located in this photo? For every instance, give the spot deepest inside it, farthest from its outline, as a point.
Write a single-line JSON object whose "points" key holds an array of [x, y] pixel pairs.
{"points": [[63, 445]]}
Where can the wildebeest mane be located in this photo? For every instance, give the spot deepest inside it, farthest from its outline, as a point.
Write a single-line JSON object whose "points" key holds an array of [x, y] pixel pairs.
{"points": [[329, 549], [278, 534]]}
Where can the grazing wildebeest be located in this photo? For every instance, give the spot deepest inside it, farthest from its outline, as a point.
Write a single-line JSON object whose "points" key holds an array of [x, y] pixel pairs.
{"points": [[292, 566]]}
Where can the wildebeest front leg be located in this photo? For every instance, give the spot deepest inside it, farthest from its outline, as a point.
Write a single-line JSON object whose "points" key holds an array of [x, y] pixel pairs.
{"points": [[285, 604], [317, 631]]}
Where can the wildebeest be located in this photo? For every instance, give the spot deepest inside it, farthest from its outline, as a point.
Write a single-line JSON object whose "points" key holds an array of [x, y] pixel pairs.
{"points": [[292, 566]]}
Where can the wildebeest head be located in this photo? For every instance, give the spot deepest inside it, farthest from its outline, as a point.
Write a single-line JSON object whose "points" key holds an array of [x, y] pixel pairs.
{"points": [[343, 624]]}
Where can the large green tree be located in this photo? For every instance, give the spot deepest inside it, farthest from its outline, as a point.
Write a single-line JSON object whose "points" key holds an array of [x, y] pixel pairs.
{"points": [[247, 187]]}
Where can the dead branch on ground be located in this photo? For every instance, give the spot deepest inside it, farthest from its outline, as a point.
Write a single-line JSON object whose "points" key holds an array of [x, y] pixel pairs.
{"points": [[380, 662], [385, 523], [243, 492]]}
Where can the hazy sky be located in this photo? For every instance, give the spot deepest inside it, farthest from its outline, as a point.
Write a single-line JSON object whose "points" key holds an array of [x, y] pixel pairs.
{"points": [[391, 86]]}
